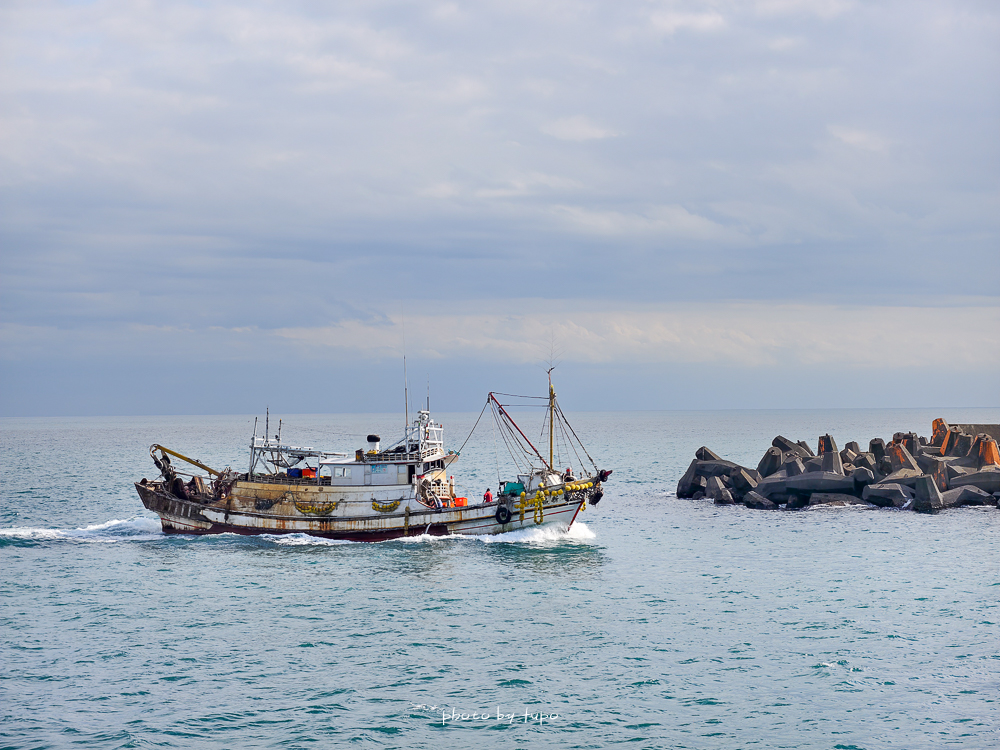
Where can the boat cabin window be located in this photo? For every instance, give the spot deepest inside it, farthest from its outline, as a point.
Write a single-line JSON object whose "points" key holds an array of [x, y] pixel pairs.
{"points": [[341, 471]]}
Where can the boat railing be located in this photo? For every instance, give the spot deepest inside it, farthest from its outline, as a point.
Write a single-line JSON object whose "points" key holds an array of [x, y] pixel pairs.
{"points": [[429, 434], [390, 457], [282, 479]]}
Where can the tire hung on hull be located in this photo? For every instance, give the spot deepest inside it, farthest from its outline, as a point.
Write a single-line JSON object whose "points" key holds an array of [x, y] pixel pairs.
{"points": [[502, 515]]}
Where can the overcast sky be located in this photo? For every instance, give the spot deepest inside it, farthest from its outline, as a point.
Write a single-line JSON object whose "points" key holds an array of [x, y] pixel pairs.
{"points": [[210, 207]]}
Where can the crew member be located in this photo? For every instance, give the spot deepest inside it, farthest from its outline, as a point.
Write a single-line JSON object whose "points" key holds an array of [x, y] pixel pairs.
{"points": [[487, 496]]}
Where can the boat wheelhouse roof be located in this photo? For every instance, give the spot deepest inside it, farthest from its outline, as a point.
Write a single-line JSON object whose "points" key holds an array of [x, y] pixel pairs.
{"points": [[422, 441]]}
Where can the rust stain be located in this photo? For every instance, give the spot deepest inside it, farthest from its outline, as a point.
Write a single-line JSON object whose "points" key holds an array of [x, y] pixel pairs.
{"points": [[895, 453], [945, 440], [939, 431], [988, 454], [940, 475]]}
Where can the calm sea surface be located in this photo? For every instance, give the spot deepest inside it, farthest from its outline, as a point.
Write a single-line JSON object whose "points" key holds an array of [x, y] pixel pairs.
{"points": [[655, 622]]}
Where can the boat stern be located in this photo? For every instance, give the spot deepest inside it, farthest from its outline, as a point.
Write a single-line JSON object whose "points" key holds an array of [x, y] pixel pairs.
{"points": [[176, 516]]}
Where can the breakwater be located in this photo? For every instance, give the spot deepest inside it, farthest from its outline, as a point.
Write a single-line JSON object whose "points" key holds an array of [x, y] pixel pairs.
{"points": [[958, 465]]}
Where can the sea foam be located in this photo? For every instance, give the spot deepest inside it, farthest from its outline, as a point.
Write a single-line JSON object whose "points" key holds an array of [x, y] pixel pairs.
{"points": [[137, 529]]}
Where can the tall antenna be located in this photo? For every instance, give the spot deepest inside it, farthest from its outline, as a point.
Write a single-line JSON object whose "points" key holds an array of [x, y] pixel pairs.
{"points": [[253, 443], [554, 351], [428, 393], [552, 401], [553, 363], [406, 395]]}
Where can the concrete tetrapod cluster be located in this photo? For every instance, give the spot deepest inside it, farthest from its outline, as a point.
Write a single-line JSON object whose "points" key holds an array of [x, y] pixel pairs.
{"points": [[959, 465]]}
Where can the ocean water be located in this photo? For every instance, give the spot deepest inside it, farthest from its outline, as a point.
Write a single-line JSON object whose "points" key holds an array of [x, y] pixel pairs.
{"points": [[654, 622]]}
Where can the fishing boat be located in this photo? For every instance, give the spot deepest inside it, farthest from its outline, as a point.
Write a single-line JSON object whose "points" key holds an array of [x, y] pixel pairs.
{"points": [[378, 493]]}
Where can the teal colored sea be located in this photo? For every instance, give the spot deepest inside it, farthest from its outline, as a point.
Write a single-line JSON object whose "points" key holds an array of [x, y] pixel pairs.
{"points": [[652, 623]]}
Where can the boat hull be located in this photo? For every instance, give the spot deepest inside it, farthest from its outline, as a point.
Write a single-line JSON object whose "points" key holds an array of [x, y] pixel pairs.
{"points": [[239, 514]]}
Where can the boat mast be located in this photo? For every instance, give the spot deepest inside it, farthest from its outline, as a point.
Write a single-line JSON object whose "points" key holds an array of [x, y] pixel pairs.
{"points": [[406, 394], [253, 442], [552, 401], [406, 404]]}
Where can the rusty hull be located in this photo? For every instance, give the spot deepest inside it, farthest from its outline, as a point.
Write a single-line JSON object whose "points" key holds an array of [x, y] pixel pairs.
{"points": [[266, 508]]}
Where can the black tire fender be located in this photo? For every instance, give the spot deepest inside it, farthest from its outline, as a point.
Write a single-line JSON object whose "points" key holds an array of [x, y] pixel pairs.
{"points": [[502, 515]]}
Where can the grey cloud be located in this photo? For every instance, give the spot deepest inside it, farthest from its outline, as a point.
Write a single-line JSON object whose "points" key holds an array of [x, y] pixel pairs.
{"points": [[269, 165]]}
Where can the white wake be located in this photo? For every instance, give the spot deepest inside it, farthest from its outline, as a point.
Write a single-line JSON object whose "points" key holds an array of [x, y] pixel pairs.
{"points": [[138, 529]]}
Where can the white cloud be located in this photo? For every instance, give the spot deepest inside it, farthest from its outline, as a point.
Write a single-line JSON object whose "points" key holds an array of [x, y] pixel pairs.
{"points": [[661, 221], [670, 21], [516, 186], [735, 334], [577, 128], [727, 334], [863, 139], [785, 43], [528, 184], [440, 190], [822, 8]]}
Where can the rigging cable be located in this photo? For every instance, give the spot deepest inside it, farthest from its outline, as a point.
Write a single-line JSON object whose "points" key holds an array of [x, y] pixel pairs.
{"points": [[511, 439], [563, 417], [473, 426], [571, 445], [506, 434], [496, 453], [512, 425]]}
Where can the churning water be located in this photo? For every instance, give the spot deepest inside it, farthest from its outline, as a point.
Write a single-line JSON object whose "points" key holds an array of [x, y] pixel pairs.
{"points": [[655, 622]]}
